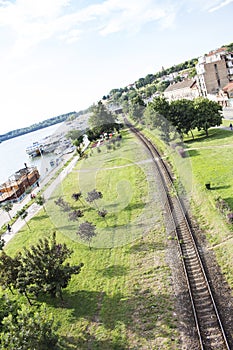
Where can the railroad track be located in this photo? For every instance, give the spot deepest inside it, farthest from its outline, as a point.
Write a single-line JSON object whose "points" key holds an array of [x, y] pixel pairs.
{"points": [[209, 328]]}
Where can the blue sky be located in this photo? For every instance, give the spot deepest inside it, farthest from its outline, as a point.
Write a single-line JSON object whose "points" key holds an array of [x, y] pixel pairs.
{"points": [[57, 56]]}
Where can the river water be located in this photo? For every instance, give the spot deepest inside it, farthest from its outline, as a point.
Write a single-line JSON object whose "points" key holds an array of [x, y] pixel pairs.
{"points": [[13, 153]]}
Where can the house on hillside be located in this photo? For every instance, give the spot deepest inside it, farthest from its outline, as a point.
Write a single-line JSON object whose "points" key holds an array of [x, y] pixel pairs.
{"points": [[186, 89]]}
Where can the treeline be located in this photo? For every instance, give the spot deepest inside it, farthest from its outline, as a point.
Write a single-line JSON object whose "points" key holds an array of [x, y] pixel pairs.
{"points": [[44, 124], [182, 116], [152, 80]]}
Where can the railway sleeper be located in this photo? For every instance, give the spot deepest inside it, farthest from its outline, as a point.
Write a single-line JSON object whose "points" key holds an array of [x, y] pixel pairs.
{"points": [[202, 309], [194, 270]]}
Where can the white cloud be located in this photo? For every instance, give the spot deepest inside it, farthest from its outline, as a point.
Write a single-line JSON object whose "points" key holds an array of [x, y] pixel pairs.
{"points": [[220, 5], [33, 21], [132, 15]]}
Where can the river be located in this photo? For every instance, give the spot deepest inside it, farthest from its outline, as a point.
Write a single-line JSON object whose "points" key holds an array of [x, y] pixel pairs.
{"points": [[13, 153]]}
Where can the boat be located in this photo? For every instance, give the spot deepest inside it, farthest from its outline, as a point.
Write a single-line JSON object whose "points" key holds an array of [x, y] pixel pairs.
{"points": [[18, 184], [35, 150], [48, 145]]}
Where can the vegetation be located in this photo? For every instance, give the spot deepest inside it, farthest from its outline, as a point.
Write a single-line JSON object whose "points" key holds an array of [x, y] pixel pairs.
{"points": [[124, 296], [101, 121], [183, 115], [37, 126], [210, 159], [229, 47], [23, 328], [7, 208], [38, 270]]}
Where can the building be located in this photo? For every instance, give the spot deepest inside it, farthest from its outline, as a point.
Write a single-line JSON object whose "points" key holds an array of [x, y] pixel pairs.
{"points": [[186, 89], [214, 72], [225, 95]]}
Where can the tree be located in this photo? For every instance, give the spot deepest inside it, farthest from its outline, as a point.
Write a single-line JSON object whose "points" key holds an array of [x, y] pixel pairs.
{"points": [[2, 242], [93, 195], [23, 214], [157, 116], [102, 213], [101, 119], [9, 268], [75, 214], [7, 208], [29, 329], [75, 134], [76, 196], [182, 115], [7, 306], [207, 114], [86, 232], [163, 85], [136, 108], [40, 200], [44, 270], [63, 204]]}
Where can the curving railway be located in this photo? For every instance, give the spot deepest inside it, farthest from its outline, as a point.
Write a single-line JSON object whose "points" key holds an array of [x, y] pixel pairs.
{"points": [[209, 328]]}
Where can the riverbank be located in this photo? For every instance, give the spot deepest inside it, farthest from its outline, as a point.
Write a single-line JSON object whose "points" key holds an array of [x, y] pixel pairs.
{"points": [[34, 208]]}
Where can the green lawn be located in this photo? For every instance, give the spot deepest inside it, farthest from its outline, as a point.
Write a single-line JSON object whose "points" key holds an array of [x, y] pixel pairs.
{"points": [[123, 298], [210, 160]]}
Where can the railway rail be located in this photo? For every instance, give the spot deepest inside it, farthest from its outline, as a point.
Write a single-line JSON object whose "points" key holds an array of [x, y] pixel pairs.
{"points": [[209, 328]]}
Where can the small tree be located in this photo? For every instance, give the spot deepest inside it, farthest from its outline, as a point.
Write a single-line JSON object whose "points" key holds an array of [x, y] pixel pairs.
{"points": [[40, 200], [2, 243], [44, 270], [77, 196], [207, 114], [7, 208], [102, 213], [62, 204], [86, 232], [23, 214], [75, 214], [93, 195]]}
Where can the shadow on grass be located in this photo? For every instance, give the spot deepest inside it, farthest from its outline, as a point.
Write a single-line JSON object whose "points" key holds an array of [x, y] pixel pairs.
{"points": [[145, 246], [135, 206], [114, 316], [192, 152], [39, 218], [90, 341], [221, 187], [214, 134], [114, 271]]}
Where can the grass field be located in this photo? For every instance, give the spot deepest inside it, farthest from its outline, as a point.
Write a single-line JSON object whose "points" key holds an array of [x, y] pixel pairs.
{"points": [[123, 298], [210, 160]]}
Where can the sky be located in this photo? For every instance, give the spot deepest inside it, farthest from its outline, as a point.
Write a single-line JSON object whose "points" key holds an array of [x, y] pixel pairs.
{"points": [[58, 56]]}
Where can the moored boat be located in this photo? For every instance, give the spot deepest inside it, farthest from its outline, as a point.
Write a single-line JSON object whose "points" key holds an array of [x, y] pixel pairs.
{"points": [[35, 150], [15, 188]]}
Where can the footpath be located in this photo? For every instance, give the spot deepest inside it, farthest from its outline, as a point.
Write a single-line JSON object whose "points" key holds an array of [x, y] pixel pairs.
{"points": [[34, 208]]}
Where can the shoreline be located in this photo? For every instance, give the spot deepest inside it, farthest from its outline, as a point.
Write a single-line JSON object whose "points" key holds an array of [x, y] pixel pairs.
{"points": [[34, 208]]}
